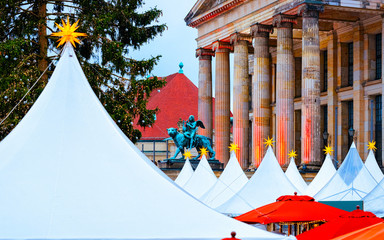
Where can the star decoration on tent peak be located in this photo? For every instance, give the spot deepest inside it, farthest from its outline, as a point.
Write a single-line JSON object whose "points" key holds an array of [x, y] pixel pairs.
{"points": [[204, 151], [328, 150], [268, 142], [372, 145], [233, 147], [68, 33], [292, 154], [187, 154]]}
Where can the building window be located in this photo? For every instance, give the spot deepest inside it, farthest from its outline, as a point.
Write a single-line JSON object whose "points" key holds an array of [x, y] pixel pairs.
{"points": [[325, 115], [350, 64], [378, 56], [325, 67], [378, 127], [350, 121]]}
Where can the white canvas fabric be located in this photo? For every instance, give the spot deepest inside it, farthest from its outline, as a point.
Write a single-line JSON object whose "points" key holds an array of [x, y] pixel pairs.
{"points": [[374, 201], [229, 183], [68, 172], [325, 174], [373, 167], [185, 174], [352, 181], [202, 179], [295, 177], [265, 186]]}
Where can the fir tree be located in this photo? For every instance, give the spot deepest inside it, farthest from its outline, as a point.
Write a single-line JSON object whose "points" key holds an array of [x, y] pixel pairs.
{"points": [[113, 28]]}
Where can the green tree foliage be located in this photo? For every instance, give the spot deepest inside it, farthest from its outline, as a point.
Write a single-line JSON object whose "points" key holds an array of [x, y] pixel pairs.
{"points": [[113, 27]]}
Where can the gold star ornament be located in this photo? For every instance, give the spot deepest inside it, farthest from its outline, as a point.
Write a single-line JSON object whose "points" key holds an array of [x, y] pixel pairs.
{"points": [[328, 150], [204, 151], [268, 142], [68, 33], [372, 145], [292, 154], [233, 147], [187, 154]]}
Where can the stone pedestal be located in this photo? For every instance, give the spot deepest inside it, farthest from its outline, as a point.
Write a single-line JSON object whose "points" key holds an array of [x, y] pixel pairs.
{"points": [[177, 164], [222, 100], [261, 90], [285, 82]]}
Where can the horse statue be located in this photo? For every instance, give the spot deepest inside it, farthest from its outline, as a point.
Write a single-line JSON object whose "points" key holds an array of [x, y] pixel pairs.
{"points": [[181, 142]]}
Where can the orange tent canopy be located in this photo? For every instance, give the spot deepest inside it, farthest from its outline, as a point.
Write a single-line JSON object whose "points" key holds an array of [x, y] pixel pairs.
{"points": [[347, 223], [291, 208], [373, 232]]}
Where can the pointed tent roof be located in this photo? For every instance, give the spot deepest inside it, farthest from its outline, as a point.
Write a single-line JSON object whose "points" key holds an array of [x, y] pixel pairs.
{"points": [[373, 167], [185, 174], [67, 171], [229, 183], [295, 177], [265, 186], [352, 181], [202, 179], [374, 201], [325, 174]]}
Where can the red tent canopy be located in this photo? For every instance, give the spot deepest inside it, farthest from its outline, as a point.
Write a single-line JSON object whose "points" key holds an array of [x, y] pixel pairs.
{"points": [[345, 223], [291, 208], [373, 232]]}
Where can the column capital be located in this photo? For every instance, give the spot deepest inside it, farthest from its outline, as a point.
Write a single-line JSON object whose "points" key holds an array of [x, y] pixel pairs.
{"points": [[204, 53], [236, 37], [284, 20], [220, 45], [310, 10], [261, 30]]}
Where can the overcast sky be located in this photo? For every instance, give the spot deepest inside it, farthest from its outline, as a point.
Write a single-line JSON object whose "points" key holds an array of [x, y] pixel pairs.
{"points": [[177, 44]]}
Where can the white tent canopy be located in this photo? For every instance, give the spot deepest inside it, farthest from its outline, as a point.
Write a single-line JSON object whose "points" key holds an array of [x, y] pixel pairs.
{"points": [[185, 174], [265, 186], [373, 167], [229, 183], [295, 177], [374, 201], [352, 181], [325, 174], [68, 172], [202, 179]]}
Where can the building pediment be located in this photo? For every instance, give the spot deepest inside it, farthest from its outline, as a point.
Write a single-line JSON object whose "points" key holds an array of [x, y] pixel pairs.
{"points": [[206, 9]]}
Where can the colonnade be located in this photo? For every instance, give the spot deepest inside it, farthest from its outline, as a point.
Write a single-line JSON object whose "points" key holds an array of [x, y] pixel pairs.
{"points": [[261, 89]]}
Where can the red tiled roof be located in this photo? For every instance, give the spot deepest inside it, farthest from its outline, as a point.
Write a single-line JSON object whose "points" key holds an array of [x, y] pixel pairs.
{"points": [[177, 99]]}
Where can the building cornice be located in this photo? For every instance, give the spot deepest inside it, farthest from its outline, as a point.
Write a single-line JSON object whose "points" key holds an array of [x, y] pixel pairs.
{"points": [[194, 22]]}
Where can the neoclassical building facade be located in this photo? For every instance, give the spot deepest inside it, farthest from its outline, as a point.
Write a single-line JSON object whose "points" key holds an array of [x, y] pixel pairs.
{"points": [[306, 72]]}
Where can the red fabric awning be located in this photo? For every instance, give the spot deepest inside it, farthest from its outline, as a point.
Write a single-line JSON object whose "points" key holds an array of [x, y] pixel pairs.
{"points": [[345, 223], [373, 232], [291, 208]]}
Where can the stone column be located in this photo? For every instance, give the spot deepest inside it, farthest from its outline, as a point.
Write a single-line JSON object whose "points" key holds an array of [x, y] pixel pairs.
{"points": [[261, 90], [205, 90], [222, 101], [285, 82], [382, 82], [358, 89], [310, 110], [241, 96], [332, 84]]}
